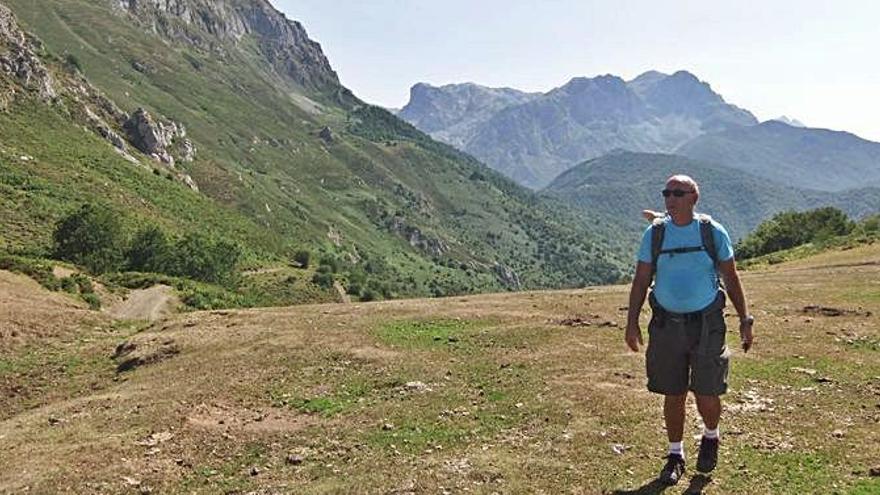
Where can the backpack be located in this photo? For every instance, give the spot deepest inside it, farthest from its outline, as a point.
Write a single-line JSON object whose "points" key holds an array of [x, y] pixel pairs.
{"points": [[708, 243]]}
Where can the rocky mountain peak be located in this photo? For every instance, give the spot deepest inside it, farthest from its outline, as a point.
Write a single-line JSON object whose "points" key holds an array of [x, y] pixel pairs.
{"points": [[217, 24], [435, 108]]}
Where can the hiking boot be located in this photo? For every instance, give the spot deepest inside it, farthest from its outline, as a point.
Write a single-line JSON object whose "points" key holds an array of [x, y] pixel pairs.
{"points": [[673, 470], [708, 457]]}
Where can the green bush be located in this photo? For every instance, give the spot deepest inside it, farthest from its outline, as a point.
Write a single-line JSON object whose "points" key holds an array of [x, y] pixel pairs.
{"points": [[302, 257], [91, 237], [790, 229], [93, 300], [68, 284], [83, 283], [202, 258], [323, 279], [150, 251]]}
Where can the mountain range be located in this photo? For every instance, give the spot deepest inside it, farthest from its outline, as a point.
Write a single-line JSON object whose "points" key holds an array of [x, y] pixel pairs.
{"points": [[534, 141], [224, 117]]}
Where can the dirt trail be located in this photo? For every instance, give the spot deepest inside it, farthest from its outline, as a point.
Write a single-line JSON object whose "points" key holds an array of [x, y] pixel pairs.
{"points": [[146, 304]]}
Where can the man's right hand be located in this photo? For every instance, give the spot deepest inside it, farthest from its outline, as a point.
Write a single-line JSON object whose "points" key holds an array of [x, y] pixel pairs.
{"points": [[633, 336]]}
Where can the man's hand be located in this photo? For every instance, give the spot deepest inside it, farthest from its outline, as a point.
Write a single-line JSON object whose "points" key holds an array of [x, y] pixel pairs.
{"points": [[745, 335], [633, 336]]}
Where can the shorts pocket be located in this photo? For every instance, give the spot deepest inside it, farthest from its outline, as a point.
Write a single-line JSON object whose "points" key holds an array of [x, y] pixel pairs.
{"points": [[710, 372]]}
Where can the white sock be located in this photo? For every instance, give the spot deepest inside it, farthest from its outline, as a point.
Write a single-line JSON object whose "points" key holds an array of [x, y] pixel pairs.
{"points": [[677, 448], [710, 433]]}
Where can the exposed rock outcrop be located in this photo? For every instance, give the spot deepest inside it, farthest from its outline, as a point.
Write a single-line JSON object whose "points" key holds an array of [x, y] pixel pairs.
{"points": [[507, 276], [217, 25], [18, 58], [154, 138], [326, 134], [416, 239]]}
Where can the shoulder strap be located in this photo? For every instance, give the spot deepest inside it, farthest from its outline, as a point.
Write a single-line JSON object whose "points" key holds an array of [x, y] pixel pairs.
{"points": [[708, 237], [657, 232]]}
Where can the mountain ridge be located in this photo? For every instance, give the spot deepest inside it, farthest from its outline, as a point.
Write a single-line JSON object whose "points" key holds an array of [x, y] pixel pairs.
{"points": [[738, 199], [534, 141]]}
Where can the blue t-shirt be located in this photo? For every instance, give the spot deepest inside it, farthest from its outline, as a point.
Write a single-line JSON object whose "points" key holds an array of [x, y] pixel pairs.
{"points": [[686, 282]]}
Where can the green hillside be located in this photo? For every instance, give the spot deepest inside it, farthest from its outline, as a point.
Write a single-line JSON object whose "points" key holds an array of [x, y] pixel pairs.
{"points": [[803, 157], [624, 183], [390, 205]]}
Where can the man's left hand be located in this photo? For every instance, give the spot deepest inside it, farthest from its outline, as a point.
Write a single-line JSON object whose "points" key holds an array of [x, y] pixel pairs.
{"points": [[745, 335]]}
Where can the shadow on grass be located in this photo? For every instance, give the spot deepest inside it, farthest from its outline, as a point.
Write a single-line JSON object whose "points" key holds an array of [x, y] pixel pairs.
{"points": [[697, 484]]}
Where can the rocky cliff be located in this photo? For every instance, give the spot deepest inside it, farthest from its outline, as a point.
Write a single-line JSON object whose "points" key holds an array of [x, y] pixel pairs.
{"points": [[24, 74], [19, 61], [217, 25]]}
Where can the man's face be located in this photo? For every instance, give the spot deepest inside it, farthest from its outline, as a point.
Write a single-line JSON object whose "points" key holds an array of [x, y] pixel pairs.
{"points": [[674, 202]]}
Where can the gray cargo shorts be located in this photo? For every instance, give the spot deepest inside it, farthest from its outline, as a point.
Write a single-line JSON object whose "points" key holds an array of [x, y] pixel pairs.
{"points": [[687, 351]]}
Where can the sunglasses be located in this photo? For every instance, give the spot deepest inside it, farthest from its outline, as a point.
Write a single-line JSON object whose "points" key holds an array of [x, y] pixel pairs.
{"points": [[675, 192]]}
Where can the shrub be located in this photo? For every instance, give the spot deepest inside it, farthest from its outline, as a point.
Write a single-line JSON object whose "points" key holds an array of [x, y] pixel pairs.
{"points": [[209, 260], [302, 257], [324, 280], [93, 300], [72, 62], [83, 283], [68, 284], [368, 295], [353, 289], [790, 229], [150, 251], [91, 237]]}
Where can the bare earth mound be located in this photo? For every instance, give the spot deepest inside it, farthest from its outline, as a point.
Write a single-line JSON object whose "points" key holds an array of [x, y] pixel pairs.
{"points": [[150, 304], [29, 313]]}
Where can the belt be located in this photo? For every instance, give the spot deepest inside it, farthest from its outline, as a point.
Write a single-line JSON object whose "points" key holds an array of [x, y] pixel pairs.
{"points": [[700, 316]]}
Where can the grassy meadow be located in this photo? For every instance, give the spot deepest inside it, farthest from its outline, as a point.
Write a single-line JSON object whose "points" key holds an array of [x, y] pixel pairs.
{"points": [[529, 392]]}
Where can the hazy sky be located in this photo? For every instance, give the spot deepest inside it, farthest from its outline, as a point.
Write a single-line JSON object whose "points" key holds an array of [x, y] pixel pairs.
{"points": [[815, 61]]}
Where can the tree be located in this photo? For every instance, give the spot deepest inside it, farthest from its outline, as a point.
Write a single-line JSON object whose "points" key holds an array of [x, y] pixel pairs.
{"points": [[790, 228], [150, 251], [209, 260], [91, 237]]}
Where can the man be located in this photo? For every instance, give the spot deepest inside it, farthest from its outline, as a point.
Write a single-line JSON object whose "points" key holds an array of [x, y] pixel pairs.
{"points": [[686, 346]]}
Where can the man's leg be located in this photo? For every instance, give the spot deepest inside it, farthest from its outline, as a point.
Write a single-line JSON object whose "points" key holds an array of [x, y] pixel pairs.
{"points": [[710, 409], [673, 413]]}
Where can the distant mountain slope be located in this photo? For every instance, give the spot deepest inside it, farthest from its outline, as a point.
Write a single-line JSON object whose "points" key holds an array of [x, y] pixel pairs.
{"points": [[451, 112], [804, 157], [272, 143], [622, 184], [534, 141]]}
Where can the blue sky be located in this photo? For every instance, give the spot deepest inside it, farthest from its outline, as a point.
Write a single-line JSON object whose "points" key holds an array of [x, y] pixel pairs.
{"points": [[810, 60]]}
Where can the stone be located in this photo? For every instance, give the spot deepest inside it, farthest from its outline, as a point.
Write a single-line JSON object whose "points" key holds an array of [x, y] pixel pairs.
{"points": [[326, 134]]}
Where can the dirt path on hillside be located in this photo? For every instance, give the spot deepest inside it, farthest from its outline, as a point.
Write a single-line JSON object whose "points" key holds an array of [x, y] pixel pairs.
{"points": [[150, 304]]}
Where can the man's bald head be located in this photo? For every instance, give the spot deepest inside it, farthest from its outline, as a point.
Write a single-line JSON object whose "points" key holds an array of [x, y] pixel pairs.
{"points": [[685, 182]]}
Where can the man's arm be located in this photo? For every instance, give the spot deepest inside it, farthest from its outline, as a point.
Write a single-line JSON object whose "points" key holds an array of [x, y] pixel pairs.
{"points": [[641, 282], [738, 298]]}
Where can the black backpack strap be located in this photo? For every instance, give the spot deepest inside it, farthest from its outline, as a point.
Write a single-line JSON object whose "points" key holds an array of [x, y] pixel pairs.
{"points": [[708, 238], [657, 232]]}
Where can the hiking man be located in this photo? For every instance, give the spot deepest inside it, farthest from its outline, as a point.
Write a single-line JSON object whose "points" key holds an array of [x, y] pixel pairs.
{"points": [[686, 345]]}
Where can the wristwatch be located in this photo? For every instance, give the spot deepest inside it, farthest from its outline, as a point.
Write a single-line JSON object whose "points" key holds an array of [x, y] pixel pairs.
{"points": [[748, 320]]}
